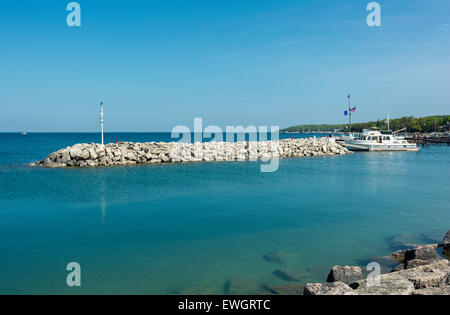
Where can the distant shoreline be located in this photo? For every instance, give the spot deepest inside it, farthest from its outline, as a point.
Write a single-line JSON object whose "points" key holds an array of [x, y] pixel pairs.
{"points": [[409, 123]]}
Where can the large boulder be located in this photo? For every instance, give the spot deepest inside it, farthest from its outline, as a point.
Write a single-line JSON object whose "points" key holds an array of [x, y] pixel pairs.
{"points": [[92, 154], [411, 264], [431, 275], [426, 252], [390, 284], [443, 290], [346, 274], [65, 156], [333, 288], [434, 274], [75, 151]]}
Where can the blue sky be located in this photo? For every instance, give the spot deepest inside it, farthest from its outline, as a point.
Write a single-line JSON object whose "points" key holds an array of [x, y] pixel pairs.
{"points": [[158, 64]]}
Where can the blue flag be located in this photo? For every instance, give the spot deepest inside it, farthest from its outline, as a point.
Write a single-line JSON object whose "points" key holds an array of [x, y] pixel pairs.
{"points": [[346, 113]]}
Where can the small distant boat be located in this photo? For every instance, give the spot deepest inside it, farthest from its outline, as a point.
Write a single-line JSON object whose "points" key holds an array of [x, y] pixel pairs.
{"points": [[23, 133], [374, 140]]}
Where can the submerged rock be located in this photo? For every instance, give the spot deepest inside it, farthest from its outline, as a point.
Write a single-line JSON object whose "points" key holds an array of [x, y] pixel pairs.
{"points": [[387, 263], [290, 289], [403, 241], [290, 274], [239, 286], [345, 274], [384, 260], [275, 256]]}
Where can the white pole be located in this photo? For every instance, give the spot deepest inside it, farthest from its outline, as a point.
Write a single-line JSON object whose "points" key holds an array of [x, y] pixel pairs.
{"points": [[389, 128], [101, 120]]}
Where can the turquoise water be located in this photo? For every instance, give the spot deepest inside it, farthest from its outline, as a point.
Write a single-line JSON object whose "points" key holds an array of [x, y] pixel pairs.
{"points": [[191, 228]]}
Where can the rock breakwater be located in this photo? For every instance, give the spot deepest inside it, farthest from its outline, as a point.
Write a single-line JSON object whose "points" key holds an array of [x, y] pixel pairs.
{"points": [[129, 153]]}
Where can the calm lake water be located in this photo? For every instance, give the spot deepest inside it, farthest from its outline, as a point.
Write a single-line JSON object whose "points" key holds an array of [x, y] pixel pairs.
{"points": [[191, 228]]}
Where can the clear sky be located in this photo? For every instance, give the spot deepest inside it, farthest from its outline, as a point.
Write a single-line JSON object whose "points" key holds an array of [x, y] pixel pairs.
{"points": [[158, 64]]}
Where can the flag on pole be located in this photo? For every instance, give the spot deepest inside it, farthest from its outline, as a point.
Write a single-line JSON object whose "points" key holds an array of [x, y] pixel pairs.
{"points": [[346, 113], [353, 109]]}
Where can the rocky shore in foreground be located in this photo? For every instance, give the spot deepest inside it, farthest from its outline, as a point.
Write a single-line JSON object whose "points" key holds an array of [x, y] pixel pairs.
{"points": [[421, 271], [413, 270], [128, 153]]}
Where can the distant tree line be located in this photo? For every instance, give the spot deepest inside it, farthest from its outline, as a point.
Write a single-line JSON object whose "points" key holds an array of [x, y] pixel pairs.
{"points": [[411, 124]]}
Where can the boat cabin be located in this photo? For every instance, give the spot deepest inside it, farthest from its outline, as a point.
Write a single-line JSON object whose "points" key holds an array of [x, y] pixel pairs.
{"points": [[374, 136]]}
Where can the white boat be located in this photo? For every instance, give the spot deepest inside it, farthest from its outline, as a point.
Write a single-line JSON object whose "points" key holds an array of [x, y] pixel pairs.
{"points": [[23, 133], [374, 140]]}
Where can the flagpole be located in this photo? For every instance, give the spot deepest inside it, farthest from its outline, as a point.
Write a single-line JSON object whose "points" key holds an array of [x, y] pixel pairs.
{"points": [[349, 116], [101, 120]]}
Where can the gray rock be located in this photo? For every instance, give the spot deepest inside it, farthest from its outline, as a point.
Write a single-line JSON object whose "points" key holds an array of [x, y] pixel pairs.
{"points": [[65, 157], [412, 264], [345, 274], [404, 282], [426, 252], [333, 288], [416, 263], [84, 155], [443, 290], [92, 154], [390, 284], [399, 267], [432, 275], [75, 151]]}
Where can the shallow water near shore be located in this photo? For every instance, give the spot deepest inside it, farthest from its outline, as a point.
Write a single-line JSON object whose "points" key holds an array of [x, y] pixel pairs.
{"points": [[203, 228]]}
